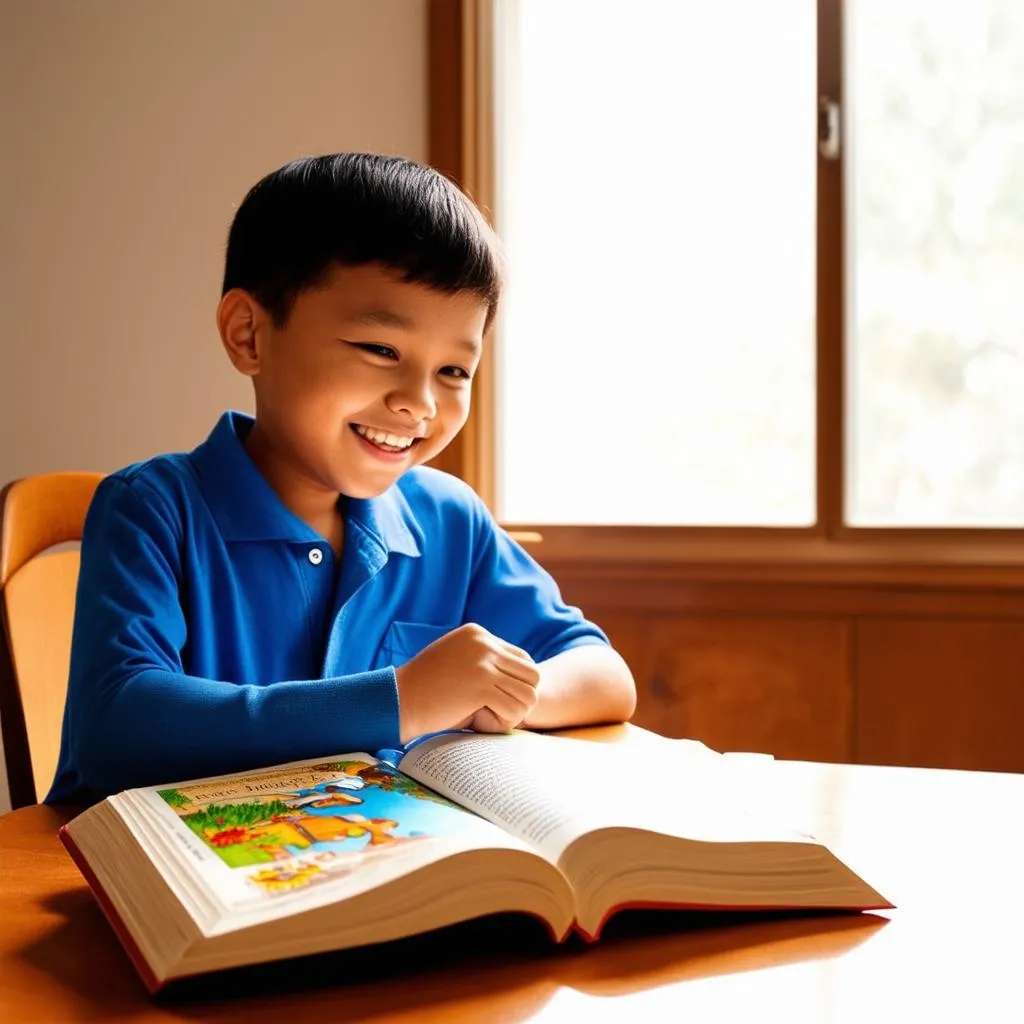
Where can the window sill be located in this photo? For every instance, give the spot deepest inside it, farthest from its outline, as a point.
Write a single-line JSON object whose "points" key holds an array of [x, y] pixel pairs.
{"points": [[926, 558]]}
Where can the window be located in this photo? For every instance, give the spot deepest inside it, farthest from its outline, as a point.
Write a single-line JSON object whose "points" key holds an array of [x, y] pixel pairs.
{"points": [[936, 254], [658, 211], [719, 323]]}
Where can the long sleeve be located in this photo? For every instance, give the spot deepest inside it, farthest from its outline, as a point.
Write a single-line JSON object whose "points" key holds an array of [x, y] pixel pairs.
{"points": [[135, 717]]}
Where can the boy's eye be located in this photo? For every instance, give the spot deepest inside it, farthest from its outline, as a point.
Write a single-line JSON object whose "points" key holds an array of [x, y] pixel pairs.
{"points": [[457, 372], [384, 351]]}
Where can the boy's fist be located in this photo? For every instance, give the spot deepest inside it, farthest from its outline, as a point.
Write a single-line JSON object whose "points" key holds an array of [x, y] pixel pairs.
{"points": [[467, 677]]}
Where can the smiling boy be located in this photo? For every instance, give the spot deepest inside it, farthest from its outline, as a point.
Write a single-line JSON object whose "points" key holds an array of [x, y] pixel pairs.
{"points": [[300, 584]]}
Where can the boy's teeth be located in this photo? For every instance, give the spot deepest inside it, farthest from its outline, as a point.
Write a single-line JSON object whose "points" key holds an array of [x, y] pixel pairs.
{"points": [[379, 437]]}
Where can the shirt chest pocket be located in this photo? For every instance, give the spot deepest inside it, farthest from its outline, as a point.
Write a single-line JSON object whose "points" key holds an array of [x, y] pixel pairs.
{"points": [[404, 640]]}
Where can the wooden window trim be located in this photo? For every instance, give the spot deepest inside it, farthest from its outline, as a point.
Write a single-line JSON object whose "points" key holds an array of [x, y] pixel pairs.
{"points": [[461, 145], [460, 64], [830, 350]]}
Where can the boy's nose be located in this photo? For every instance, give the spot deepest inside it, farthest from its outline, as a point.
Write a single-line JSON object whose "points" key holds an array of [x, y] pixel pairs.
{"points": [[415, 399]]}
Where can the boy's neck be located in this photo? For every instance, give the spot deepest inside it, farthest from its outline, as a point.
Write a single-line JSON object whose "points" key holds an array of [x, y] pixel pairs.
{"points": [[318, 508]]}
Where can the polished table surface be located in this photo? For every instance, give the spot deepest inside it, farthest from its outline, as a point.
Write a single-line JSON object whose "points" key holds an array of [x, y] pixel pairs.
{"points": [[946, 847]]}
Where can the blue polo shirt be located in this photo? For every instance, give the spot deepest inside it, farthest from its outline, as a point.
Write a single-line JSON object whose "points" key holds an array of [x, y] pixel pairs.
{"points": [[214, 632]]}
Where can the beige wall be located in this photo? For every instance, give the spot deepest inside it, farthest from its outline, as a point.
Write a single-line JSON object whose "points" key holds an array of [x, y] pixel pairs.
{"points": [[130, 130]]}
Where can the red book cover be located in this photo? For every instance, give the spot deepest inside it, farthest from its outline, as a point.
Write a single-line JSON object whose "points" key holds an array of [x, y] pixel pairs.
{"points": [[110, 912]]}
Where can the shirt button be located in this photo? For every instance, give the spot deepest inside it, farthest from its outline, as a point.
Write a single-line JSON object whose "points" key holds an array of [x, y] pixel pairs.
{"points": [[316, 556]]}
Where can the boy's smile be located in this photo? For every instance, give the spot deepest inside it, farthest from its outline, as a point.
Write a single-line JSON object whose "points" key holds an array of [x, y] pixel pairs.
{"points": [[384, 444], [369, 376]]}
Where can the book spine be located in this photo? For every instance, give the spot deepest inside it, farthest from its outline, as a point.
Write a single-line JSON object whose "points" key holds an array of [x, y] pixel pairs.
{"points": [[149, 979]]}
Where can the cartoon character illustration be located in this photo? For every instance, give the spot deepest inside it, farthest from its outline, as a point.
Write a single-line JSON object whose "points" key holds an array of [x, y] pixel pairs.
{"points": [[378, 829], [279, 837], [285, 879], [391, 781], [372, 774], [337, 793], [274, 826], [334, 794]]}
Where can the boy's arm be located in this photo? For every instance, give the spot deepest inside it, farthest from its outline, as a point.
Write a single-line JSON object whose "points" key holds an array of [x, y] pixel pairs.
{"points": [[583, 680], [583, 686], [135, 718]]}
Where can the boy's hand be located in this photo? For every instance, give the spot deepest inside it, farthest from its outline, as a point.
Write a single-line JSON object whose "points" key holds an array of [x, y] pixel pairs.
{"points": [[485, 720], [467, 677]]}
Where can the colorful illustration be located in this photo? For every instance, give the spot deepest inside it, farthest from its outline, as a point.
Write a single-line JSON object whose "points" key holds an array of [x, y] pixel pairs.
{"points": [[301, 826], [286, 879]]}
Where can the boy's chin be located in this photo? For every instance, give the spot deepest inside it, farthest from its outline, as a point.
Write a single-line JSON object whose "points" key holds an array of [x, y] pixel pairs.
{"points": [[365, 489]]}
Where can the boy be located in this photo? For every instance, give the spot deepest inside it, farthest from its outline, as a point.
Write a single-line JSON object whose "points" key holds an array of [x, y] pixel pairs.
{"points": [[299, 584]]}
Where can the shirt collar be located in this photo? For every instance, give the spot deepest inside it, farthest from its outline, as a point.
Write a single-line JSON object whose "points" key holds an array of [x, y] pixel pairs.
{"points": [[246, 507]]}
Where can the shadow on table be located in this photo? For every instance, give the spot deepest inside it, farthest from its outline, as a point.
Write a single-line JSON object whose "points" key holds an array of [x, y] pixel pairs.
{"points": [[502, 967]]}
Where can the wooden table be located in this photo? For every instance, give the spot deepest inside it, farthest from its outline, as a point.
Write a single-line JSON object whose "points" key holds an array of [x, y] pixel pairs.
{"points": [[946, 847]]}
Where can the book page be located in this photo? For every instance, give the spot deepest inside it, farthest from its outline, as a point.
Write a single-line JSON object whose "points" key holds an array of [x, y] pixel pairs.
{"points": [[549, 791], [508, 780], [264, 843]]}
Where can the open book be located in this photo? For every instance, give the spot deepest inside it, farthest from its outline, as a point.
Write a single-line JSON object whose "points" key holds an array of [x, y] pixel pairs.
{"points": [[349, 850]]}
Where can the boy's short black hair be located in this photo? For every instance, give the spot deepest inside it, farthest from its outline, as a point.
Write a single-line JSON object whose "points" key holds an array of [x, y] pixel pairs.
{"points": [[349, 209]]}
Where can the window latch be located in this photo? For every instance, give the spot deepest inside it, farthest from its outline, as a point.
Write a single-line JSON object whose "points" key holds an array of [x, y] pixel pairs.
{"points": [[828, 128]]}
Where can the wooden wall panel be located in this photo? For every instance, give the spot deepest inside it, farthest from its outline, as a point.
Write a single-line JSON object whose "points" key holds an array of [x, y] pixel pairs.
{"points": [[945, 694], [777, 685], [929, 673]]}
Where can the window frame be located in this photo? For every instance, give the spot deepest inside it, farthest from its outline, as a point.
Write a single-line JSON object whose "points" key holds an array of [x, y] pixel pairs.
{"points": [[461, 63]]}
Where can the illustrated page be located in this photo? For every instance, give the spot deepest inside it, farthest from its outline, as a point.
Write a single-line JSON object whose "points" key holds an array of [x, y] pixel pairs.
{"points": [[345, 824]]}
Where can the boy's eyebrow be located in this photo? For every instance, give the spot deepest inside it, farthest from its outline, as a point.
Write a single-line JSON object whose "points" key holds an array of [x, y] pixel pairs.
{"points": [[389, 318], [382, 318]]}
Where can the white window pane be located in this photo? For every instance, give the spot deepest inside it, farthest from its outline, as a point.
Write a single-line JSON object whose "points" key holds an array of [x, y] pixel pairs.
{"points": [[936, 262], [657, 201]]}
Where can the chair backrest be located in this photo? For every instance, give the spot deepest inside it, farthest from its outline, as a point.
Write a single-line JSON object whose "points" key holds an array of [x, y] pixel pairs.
{"points": [[37, 606]]}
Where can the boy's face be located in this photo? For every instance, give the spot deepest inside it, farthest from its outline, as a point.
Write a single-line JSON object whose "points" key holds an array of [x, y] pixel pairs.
{"points": [[370, 376]]}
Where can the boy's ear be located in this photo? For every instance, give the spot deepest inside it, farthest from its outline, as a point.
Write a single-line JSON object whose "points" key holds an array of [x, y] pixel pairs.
{"points": [[240, 318]]}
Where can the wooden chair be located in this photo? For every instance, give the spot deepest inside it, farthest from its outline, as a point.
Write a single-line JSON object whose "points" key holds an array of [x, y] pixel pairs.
{"points": [[37, 604]]}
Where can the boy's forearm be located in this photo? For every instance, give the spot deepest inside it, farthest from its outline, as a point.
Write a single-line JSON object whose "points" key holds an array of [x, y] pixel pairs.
{"points": [[583, 686], [160, 726]]}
